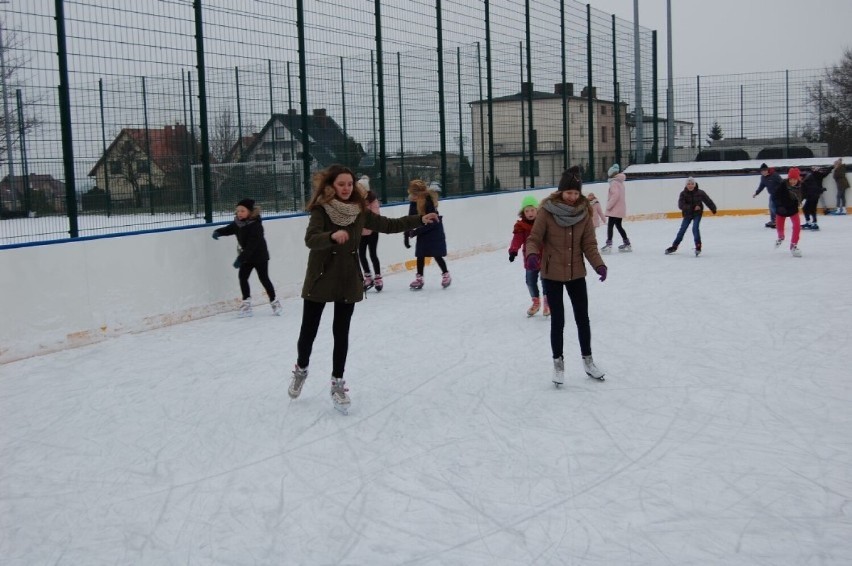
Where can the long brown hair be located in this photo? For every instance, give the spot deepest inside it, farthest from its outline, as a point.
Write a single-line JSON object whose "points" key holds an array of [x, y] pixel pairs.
{"points": [[323, 185]]}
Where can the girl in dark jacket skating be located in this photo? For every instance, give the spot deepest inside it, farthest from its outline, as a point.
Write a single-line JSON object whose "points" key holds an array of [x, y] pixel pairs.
{"points": [[431, 240], [254, 254], [691, 204], [339, 213]]}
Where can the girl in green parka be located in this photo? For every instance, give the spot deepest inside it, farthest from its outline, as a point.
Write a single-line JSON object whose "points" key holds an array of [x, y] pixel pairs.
{"points": [[338, 214]]}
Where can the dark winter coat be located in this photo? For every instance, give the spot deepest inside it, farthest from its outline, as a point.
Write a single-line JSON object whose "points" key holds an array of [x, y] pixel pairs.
{"points": [[334, 273], [769, 182], [787, 199], [250, 238], [688, 200], [431, 240], [812, 184]]}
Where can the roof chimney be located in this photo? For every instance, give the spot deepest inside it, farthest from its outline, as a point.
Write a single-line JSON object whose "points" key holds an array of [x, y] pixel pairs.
{"points": [[567, 88], [319, 112], [526, 89], [585, 93]]}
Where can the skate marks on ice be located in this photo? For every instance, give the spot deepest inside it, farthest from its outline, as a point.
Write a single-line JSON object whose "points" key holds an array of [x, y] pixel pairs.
{"points": [[712, 440]]}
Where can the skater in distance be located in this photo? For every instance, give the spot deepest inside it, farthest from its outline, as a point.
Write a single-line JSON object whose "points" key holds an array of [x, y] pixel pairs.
{"points": [[691, 204]]}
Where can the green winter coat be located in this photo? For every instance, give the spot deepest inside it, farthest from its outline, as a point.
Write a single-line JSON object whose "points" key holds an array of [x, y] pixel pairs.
{"points": [[334, 273]]}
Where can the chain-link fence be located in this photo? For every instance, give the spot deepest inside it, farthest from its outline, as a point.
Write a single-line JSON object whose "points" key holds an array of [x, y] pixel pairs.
{"points": [[169, 111]]}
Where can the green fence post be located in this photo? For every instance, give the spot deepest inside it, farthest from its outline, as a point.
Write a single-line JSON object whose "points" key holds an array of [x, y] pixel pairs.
{"points": [[25, 170], [65, 120], [292, 139], [343, 103], [202, 110], [187, 146], [303, 92], [441, 113], [489, 76], [523, 118], [147, 148], [590, 174], [615, 94], [461, 132], [530, 132], [401, 137], [565, 109], [655, 146], [239, 114], [787, 112], [698, 102], [274, 141], [381, 86], [104, 147], [481, 119]]}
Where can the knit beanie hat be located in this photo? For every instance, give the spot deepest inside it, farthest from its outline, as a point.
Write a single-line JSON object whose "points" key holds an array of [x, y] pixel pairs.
{"points": [[529, 200], [248, 203], [614, 170], [794, 174], [764, 167], [571, 180]]}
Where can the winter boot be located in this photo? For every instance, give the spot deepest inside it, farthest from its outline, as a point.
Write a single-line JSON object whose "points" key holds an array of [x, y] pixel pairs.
{"points": [[245, 308], [607, 248], [625, 247], [298, 380], [779, 241], [558, 371], [591, 369], [545, 307], [276, 307], [770, 224], [670, 250], [446, 279], [794, 249], [417, 284], [536, 304], [378, 282], [338, 395], [368, 281]]}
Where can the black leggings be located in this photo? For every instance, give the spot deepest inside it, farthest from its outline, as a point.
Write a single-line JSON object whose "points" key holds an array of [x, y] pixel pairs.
{"points": [[262, 274], [421, 263], [615, 222], [311, 316], [579, 303], [369, 243], [810, 208]]}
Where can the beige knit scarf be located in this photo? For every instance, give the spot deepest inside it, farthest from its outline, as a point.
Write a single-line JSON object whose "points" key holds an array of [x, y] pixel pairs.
{"points": [[342, 213]]}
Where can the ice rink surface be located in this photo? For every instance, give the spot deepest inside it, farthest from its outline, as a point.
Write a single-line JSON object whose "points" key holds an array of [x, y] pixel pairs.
{"points": [[722, 434]]}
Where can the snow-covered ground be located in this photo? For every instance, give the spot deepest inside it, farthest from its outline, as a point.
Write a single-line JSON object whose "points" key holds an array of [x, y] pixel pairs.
{"points": [[722, 435]]}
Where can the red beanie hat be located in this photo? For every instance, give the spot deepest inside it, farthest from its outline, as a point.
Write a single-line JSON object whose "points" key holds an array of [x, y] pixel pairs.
{"points": [[793, 174]]}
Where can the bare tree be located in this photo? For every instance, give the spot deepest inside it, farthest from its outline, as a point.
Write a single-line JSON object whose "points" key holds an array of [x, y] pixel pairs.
{"points": [[833, 99], [224, 135], [133, 167], [12, 52]]}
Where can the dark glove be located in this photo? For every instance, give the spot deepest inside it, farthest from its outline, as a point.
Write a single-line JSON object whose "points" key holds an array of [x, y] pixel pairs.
{"points": [[237, 263], [533, 262], [405, 241], [601, 269], [216, 235], [512, 256]]}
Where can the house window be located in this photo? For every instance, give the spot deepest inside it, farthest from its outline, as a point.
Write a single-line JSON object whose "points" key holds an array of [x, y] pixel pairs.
{"points": [[603, 110], [142, 166], [603, 134], [280, 132], [115, 167]]}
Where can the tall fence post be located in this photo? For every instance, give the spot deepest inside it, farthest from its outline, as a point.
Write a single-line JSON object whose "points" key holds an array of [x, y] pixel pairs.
{"points": [[290, 109], [380, 75], [523, 118], [787, 113], [461, 132], [742, 109], [441, 110], [589, 89], [274, 140], [655, 146], [25, 170], [488, 78], [343, 104], [104, 149], [563, 88], [147, 148], [616, 102], [202, 111], [239, 115], [638, 111], [481, 119], [698, 102], [373, 107], [401, 136], [187, 146], [65, 120], [532, 133], [303, 94]]}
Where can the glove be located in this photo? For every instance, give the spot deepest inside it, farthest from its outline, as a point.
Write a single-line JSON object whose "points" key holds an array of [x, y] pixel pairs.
{"points": [[533, 262], [601, 269], [512, 256], [237, 263], [405, 241], [216, 235]]}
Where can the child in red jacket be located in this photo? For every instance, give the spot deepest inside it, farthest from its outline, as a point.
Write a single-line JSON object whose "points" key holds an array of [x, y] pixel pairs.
{"points": [[520, 233]]}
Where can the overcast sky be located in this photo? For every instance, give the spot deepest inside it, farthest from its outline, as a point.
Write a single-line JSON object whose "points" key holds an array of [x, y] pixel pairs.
{"points": [[744, 36]]}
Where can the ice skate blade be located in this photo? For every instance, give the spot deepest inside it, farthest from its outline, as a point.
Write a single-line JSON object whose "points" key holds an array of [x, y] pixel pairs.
{"points": [[557, 384], [342, 409], [601, 378]]}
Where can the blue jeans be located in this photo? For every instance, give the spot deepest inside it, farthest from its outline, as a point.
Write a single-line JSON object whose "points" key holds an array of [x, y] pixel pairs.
{"points": [[532, 282], [771, 209], [696, 233]]}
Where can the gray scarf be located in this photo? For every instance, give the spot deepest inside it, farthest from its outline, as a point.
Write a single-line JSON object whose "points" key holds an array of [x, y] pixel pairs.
{"points": [[342, 213], [565, 215]]}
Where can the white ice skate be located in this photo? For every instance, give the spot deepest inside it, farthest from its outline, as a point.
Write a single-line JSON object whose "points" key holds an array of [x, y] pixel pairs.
{"points": [[276, 307], [794, 249], [558, 371], [245, 308], [591, 369], [338, 395], [296, 383]]}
